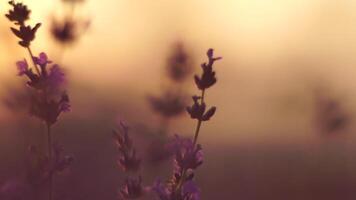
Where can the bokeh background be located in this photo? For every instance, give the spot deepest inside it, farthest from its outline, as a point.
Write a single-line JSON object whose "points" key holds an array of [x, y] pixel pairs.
{"points": [[284, 128]]}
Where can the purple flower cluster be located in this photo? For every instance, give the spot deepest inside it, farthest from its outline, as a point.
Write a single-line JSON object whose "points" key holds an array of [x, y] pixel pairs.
{"points": [[128, 159], [40, 168], [129, 162], [50, 100], [187, 157], [47, 102]]}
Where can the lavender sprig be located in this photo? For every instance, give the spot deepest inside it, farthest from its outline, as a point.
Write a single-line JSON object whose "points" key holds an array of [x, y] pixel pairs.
{"points": [[128, 161], [47, 82], [188, 154]]}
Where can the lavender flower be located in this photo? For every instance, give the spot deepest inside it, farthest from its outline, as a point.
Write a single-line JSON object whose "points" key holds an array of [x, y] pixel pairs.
{"points": [[49, 99], [49, 80], [165, 192], [19, 14], [49, 111], [186, 154], [60, 162], [179, 64], [128, 159], [207, 79], [197, 110], [42, 60], [22, 66], [26, 34], [132, 189], [169, 105]]}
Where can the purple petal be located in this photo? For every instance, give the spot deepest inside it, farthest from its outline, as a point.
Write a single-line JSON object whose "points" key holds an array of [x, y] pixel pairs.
{"points": [[22, 66]]}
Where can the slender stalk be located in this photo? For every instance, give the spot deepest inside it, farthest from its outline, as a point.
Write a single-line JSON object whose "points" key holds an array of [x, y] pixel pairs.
{"points": [[50, 186], [33, 61], [197, 130]]}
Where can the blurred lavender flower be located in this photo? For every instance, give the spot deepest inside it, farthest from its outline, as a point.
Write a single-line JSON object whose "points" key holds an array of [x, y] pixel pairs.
{"points": [[50, 79], [330, 117], [172, 101], [14, 189], [129, 162], [186, 154], [166, 192], [179, 63], [132, 189], [68, 31], [168, 105], [48, 82], [128, 159]]}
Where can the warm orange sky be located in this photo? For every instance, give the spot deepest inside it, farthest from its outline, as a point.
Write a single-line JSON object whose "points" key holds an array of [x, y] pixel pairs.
{"points": [[272, 49]]}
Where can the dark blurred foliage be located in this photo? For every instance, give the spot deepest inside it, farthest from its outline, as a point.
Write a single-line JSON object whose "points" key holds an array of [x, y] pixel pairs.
{"points": [[331, 114], [17, 99], [172, 101], [68, 29]]}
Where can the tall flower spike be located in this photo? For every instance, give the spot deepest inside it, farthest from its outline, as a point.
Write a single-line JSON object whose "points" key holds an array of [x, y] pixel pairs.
{"points": [[128, 159], [132, 189]]}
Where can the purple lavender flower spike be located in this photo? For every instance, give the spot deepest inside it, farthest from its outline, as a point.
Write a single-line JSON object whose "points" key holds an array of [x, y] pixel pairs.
{"points": [[161, 190], [132, 189], [187, 155], [22, 66], [42, 59], [191, 191]]}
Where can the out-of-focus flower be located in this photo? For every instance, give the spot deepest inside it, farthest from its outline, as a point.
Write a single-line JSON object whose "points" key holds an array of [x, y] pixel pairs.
{"points": [[14, 189], [179, 64], [132, 189], [128, 159], [19, 14], [207, 79], [331, 116], [50, 80], [60, 162], [168, 105], [187, 155], [68, 31], [49, 110], [191, 191], [42, 59], [197, 110], [165, 192], [22, 66]]}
